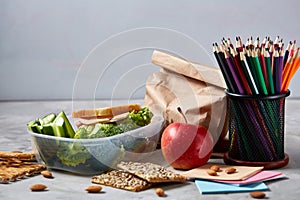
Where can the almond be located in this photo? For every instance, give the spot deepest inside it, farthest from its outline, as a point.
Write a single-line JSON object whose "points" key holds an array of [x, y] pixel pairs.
{"points": [[216, 168], [257, 195], [47, 174], [160, 192], [38, 187], [93, 189], [211, 172], [230, 170]]}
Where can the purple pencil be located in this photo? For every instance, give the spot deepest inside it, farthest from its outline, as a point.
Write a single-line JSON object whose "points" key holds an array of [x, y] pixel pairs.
{"points": [[280, 68], [277, 76], [234, 73]]}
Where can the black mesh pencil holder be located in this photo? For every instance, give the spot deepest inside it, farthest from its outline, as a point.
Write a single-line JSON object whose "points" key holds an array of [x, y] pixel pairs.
{"points": [[256, 130]]}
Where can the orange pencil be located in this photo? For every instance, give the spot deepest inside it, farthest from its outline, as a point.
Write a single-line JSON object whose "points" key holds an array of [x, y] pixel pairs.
{"points": [[289, 70]]}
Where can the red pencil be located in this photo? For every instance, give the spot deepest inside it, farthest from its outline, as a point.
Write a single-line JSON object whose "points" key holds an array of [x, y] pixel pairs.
{"points": [[237, 64]]}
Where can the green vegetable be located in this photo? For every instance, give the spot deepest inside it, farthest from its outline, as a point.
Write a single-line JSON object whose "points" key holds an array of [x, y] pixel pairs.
{"points": [[73, 154], [58, 127], [81, 133], [53, 125], [67, 130], [48, 118], [142, 117]]}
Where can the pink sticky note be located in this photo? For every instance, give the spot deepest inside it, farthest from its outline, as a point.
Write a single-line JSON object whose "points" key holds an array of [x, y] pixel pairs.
{"points": [[261, 176]]}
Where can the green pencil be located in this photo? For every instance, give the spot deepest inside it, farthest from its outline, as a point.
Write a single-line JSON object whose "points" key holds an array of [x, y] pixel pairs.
{"points": [[259, 74], [269, 72]]}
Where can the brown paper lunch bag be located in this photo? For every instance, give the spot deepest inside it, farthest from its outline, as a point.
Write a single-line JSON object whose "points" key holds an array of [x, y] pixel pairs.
{"points": [[185, 91]]}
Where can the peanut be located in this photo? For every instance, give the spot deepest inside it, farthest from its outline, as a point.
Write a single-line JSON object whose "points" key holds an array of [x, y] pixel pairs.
{"points": [[211, 172], [38, 187], [230, 170], [94, 189], [160, 192], [257, 195], [216, 168], [47, 174]]}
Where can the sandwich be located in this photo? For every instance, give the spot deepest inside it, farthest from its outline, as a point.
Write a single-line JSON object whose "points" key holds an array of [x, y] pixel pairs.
{"points": [[109, 121]]}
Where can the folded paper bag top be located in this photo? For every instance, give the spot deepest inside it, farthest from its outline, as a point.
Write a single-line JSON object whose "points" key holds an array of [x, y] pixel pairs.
{"points": [[210, 75], [196, 89]]}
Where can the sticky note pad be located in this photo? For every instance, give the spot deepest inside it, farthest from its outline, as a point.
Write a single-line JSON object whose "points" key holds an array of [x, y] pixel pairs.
{"points": [[242, 172], [210, 187], [259, 177]]}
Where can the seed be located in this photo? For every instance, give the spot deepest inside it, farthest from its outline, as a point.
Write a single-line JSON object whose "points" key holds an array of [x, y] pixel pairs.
{"points": [[38, 187], [215, 168], [94, 189], [211, 172], [160, 192], [47, 174], [257, 195], [230, 170]]}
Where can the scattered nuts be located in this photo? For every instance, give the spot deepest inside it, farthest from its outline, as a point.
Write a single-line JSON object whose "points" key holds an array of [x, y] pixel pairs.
{"points": [[38, 187], [47, 174], [211, 172], [94, 189], [216, 168], [160, 192], [230, 170], [257, 195]]}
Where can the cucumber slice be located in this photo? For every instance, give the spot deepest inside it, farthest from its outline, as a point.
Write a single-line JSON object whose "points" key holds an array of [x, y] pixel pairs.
{"points": [[58, 127], [40, 122], [51, 124], [69, 131], [39, 128], [48, 129], [48, 118], [32, 126]]}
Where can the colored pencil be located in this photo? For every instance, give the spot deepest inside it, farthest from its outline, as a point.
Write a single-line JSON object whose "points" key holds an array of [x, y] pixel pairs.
{"points": [[248, 74], [269, 72], [289, 70], [276, 74], [262, 68], [234, 73], [228, 80], [257, 68], [287, 51], [238, 67]]}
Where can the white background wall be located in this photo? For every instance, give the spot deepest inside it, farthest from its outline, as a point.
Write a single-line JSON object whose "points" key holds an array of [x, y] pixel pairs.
{"points": [[44, 44]]}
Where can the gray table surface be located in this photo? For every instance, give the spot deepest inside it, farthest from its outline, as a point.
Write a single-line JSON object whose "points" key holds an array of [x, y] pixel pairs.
{"points": [[14, 136]]}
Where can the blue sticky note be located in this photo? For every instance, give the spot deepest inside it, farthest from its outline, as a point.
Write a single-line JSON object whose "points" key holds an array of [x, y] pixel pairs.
{"points": [[210, 187]]}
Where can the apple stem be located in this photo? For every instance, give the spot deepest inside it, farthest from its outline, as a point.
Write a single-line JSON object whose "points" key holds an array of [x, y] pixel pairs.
{"points": [[180, 111]]}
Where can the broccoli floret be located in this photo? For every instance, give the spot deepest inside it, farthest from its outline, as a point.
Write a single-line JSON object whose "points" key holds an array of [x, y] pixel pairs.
{"points": [[73, 154], [106, 130], [142, 117]]}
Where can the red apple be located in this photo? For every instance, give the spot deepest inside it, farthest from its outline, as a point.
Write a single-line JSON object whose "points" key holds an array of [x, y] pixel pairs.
{"points": [[186, 146]]}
